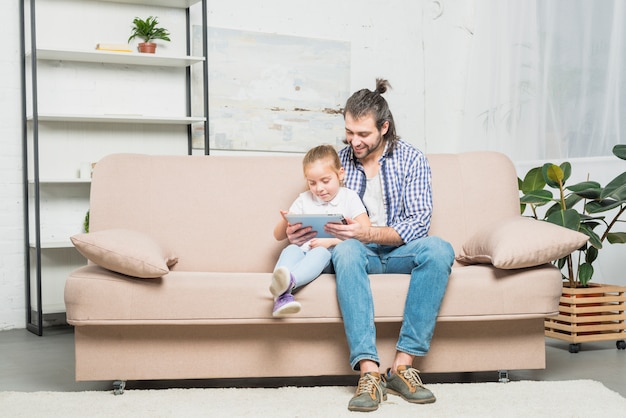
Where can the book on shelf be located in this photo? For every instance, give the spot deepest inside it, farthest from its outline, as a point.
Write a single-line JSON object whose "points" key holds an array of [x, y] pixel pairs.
{"points": [[114, 47]]}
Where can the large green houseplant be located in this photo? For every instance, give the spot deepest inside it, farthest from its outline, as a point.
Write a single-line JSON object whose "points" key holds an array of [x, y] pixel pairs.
{"points": [[148, 31], [586, 207]]}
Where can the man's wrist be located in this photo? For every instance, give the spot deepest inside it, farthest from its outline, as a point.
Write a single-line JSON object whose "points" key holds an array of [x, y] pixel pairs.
{"points": [[382, 235]]}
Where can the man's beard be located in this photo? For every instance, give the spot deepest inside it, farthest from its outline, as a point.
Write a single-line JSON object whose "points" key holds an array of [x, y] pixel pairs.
{"points": [[365, 152]]}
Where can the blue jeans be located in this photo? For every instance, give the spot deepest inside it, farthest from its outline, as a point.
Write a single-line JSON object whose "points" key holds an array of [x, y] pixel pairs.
{"points": [[305, 266], [429, 261]]}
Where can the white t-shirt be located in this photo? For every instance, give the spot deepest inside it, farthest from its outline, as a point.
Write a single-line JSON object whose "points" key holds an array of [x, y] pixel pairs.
{"points": [[347, 203], [373, 198]]}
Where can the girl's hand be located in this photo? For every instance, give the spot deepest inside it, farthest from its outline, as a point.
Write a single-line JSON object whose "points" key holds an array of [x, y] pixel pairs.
{"points": [[296, 234], [324, 242]]}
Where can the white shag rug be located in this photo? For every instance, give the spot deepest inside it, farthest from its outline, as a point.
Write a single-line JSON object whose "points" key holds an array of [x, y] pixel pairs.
{"points": [[577, 398]]}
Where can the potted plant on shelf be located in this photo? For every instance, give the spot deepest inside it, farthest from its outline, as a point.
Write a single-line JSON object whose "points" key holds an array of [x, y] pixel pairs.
{"points": [[588, 312], [148, 31]]}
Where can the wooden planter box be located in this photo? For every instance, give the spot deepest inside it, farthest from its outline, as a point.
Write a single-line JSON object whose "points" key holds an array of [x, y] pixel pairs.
{"points": [[586, 314]]}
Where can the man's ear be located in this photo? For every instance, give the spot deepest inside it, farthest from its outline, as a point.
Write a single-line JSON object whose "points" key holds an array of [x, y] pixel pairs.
{"points": [[384, 128]]}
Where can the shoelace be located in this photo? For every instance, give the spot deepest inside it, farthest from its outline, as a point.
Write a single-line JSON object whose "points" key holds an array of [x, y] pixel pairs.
{"points": [[412, 375], [369, 384]]}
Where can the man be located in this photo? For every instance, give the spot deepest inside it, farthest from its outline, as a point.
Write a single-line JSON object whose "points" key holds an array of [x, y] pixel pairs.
{"points": [[394, 181]]}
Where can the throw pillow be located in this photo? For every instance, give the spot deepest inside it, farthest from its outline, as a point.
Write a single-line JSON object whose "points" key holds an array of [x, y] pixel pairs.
{"points": [[520, 242], [125, 251]]}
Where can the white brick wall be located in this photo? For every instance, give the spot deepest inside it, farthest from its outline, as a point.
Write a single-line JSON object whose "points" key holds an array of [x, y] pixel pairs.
{"points": [[370, 40], [12, 314]]}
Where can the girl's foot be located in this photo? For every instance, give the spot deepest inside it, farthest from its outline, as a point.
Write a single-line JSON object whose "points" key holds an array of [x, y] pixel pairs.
{"points": [[282, 281], [285, 304]]}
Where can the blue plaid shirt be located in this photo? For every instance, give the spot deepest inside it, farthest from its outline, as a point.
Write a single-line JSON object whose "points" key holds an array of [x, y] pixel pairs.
{"points": [[406, 182]]}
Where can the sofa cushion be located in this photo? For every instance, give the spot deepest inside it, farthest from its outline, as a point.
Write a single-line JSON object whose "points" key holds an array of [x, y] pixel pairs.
{"points": [[94, 295], [125, 251], [520, 242]]}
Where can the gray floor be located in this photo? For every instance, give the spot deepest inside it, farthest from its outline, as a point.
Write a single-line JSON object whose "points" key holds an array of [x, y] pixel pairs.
{"points": [[29, 363]]}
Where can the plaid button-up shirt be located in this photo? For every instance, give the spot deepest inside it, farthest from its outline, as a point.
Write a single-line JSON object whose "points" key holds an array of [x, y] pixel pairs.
{"points": [[406, 182]]}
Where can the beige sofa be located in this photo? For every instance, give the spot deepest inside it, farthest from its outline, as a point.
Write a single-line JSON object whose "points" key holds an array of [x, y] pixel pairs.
{"points": [[210, 316]]}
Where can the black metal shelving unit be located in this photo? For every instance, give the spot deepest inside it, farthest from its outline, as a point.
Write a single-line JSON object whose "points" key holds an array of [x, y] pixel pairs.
{"points": [[31, 54]]}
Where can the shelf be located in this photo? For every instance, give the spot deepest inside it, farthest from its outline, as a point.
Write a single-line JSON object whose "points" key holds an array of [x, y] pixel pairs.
{"points": [[61, 181], [183, 4], [109, 57], [160, 120], [53, 244]]}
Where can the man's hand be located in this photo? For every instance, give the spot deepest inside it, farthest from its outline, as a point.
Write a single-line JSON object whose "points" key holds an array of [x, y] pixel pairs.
{"points": [[352, 229], [382, 235]]}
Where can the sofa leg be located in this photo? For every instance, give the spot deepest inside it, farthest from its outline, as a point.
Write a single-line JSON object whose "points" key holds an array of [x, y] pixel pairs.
{"points": [[503, 376], [118, 387]]}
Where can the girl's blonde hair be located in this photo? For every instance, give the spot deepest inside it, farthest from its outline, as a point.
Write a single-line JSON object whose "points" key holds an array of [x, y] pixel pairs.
{"points": [[322, 152]]}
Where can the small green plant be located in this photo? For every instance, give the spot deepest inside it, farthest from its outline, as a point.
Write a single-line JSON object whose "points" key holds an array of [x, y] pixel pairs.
{"points": [[86, 222], [580, 207], [147, 30]]}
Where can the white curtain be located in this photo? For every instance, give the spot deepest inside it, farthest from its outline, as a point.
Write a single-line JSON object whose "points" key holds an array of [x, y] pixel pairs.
{"points": [[545, 79]]}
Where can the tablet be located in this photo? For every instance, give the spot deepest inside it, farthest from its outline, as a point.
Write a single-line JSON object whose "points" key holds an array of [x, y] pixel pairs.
{"points": [[316, 221]]}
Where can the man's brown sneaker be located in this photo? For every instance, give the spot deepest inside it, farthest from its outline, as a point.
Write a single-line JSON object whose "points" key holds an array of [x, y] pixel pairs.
{"points": [[407, 384], [369, 393]]}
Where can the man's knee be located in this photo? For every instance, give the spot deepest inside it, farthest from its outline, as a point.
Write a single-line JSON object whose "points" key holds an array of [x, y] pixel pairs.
{"points": [[347, 247], [439, 250], [444, 247]]}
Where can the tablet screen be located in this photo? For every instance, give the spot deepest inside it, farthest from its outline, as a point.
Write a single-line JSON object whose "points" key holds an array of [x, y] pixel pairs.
{"points": [[316, 221]]}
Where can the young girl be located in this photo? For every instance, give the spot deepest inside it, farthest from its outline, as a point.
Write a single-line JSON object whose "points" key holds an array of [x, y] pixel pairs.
{"points": [[298, 266]]}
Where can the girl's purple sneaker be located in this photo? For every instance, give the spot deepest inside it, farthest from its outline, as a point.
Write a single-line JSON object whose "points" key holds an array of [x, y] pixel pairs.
{"points": [[286, 304]]}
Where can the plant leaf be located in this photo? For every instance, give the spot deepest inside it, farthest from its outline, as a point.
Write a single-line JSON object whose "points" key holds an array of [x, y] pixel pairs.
{"points": [[537, 197], [572, 200], [553, 175], [587, 189], [568, 218], [594, 239], [616, 237], [533, 180], [597, 206], [585, 272], [616, 189], [591, 254], [567, 171], [589, 222], [620, 151]]}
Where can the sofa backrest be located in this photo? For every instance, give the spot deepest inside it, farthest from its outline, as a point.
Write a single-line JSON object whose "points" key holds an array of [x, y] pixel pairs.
{"points": [[217, 213], [471, 191]]}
